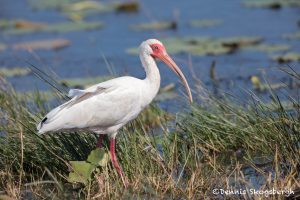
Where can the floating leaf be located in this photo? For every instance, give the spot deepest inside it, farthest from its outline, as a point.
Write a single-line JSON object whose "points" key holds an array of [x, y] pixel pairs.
{"points": [[77, 11], [84, 82], [50, 4], [16, 71], [288, 57], [84, 5], [127, 7], [205, 45], [132, 51], [59, 28], [67, 27], [20, 24], [292, 36], [194, 45], [82, 172], [237, 42], [257, 85], [273, 4], [24, 24], [98, 157], [165, 96], [155, 26], [269, 47], [6, 23], [42, 44], [167, 88], [166, 93], [177, 45], [202, 23], [214, 48]]}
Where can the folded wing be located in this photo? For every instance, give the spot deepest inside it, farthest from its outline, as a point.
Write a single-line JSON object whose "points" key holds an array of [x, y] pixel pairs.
{"points": [[100, 106]]}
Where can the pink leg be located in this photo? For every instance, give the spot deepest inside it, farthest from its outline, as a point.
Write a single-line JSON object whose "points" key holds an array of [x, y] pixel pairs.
{"points": [[115, 162], [100, 141]]}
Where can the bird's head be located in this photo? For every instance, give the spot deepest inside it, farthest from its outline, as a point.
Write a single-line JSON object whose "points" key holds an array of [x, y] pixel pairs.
{"points": [[157, 50]]}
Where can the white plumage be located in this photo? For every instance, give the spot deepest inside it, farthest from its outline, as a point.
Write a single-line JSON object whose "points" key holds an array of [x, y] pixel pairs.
{"points": [[102, 108], [106, 107]]}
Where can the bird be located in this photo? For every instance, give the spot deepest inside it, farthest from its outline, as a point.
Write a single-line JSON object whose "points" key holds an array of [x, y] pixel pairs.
{"points": [[107, 106]]}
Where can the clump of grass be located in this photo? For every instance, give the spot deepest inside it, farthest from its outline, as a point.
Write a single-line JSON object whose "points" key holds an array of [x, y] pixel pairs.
{"points": [[27, 156], [24, 153], [222, 143]]}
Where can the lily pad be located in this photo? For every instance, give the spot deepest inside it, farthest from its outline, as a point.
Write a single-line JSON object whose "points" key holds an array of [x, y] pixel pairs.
{"points": [[78, 10], [213, 48], [269, 47], [6, 23], [84, 82], [82, 172], [178, 45], [203, 23], [288, 57], [57, 28], [165, 96], [20, 24], [42, 44], [257, 85], [205, 45], [86, 5], [166, 93], [25, 24], [127, 7], [167, 88], [98, 157], [16, 71], [273, 4], [67, 27], [49, 4], [165, 25], [237, 42]]}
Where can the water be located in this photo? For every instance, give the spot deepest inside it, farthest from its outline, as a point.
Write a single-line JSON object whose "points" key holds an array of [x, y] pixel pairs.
{"points": [[85, 55]]}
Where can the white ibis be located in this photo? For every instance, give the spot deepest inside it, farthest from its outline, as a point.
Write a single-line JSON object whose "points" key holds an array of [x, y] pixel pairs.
{"points": [[105, 107]]}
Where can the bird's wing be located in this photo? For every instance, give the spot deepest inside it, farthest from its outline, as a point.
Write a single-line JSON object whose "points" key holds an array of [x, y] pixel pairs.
{"points": [[77, 96], [81, 95], [102, 105]]}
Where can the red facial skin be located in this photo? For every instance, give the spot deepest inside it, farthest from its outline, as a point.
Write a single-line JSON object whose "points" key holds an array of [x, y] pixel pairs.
{"points": [[158, 50]]}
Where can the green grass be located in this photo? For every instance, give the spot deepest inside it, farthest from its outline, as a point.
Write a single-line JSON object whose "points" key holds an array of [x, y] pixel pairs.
{"points": [[219, 143]]}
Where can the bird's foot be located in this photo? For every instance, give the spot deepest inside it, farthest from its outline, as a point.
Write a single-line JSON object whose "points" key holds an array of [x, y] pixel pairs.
{"points": [[100, 141]]}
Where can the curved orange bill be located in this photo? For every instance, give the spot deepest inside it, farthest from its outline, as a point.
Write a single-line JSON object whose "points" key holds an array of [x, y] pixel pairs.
{"points": [[169, 61]]}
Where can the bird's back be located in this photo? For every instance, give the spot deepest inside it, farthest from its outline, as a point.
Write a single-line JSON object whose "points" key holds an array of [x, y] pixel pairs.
{"points": [[109, 104]]}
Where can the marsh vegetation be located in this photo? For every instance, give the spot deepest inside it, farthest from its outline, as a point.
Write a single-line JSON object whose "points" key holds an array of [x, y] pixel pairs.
{"points": [[241, 133]]}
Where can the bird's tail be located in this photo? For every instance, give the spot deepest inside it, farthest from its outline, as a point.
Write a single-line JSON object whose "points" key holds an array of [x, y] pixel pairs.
{"points": [[45, 125], [39, 127]]}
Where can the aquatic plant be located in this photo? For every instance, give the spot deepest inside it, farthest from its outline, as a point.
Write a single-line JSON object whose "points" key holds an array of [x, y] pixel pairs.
{"points": [[201, 46], [224, 142]]}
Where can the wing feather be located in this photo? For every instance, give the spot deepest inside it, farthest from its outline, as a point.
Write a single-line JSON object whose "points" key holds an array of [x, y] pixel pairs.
{"points": [[107, 104], [77, 97]]}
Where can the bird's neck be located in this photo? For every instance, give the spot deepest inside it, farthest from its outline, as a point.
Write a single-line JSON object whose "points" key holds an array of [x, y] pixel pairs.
{"points": [[152, 73]]}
